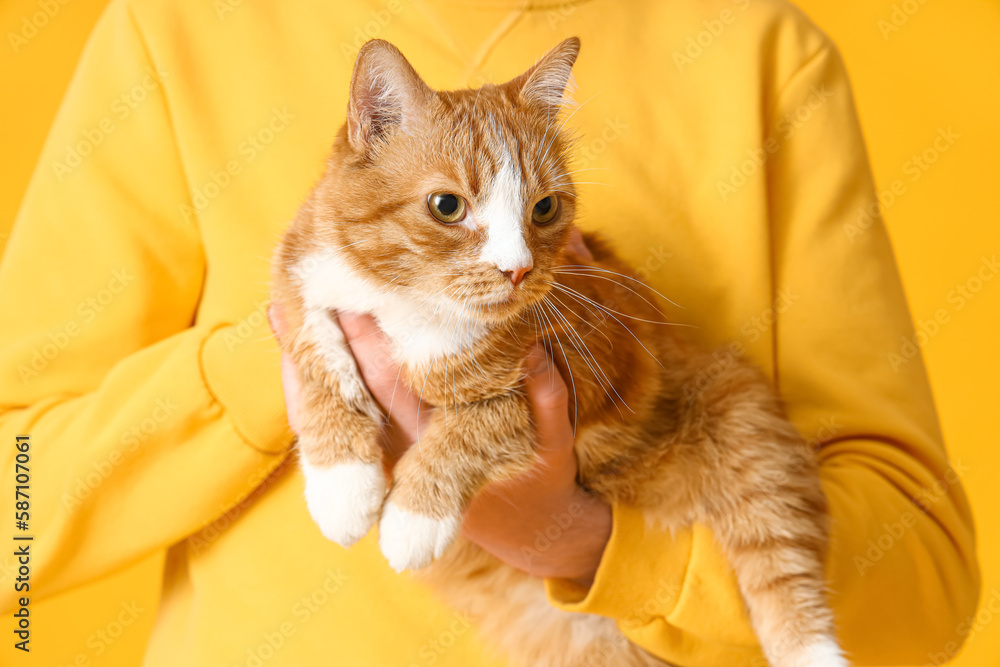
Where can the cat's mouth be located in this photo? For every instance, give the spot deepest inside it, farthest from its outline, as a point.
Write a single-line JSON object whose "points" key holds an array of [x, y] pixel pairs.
{"points": [[496, 296], [504, 300], [506, 304], [501, 302], [497, 303]]}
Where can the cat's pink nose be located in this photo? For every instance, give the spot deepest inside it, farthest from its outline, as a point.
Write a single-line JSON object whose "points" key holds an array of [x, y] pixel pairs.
{"points": [[517, 275]]}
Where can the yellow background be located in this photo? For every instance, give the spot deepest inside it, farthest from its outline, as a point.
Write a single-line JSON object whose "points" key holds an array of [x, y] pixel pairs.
{"points": [[939, 70]]}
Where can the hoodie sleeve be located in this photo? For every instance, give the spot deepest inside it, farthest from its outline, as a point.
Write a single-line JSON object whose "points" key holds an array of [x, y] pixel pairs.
{"points": [[144, 423], [902, 539]]}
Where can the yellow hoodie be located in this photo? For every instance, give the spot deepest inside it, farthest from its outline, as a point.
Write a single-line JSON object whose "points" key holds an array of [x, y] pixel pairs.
{"points": [[727, 163]]}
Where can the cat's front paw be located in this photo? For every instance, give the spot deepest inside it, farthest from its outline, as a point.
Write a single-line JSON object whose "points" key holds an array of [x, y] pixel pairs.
{"points": [[410, 541], [822, 652], [345, 499]]}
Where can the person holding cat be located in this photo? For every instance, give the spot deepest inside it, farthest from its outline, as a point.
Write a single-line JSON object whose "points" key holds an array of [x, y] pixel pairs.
{"points": [[550, 489], [737, 176]]}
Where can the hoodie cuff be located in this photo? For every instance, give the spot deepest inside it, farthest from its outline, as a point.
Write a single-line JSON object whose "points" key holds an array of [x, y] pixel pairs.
{"points": [[640, 575], [243, 373]]}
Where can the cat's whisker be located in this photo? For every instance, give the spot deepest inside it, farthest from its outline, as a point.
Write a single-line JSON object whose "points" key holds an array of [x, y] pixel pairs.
{"points": [[420, 402], [624, 286], [266, 260], [346, 245], [392, 399], [591, 310], [567, 289], [623, 325], [577, 171], [476, 366], [610, 185], [433, 321], [430, 366], [580, 267], [427, 299], [447, 326], [475, 103], [549, 331], [595, 367], [548, 126], [593, 378], [539, 329], [464, 363], [572, 382], [575, 336], [454, 380], [568, 118], [550, 334], [266, 337], [571, 194]]}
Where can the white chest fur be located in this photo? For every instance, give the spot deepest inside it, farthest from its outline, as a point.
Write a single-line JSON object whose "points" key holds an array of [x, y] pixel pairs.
{"points": [[420, 329]]}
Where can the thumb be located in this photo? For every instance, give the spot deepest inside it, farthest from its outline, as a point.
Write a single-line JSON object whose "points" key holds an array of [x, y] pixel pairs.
{"points": [[549, 399], [372, 351]]}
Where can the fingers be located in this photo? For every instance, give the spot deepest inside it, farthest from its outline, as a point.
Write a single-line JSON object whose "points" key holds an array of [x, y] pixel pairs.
{"points": [[289, 376], [293, 392], [506, 515], [372, 351], [549, 399], [276, 318]]}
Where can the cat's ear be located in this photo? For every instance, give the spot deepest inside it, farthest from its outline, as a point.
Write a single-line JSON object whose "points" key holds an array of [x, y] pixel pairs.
{"points": [[546, 82], [386, 93]]}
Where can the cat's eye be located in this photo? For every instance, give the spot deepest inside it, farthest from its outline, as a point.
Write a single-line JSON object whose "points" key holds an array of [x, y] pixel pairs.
{"points": [[446, 207], [545, 210]]}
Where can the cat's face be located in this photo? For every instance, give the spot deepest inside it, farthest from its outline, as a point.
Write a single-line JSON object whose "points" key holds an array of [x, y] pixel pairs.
{"points": [[462, 200]]}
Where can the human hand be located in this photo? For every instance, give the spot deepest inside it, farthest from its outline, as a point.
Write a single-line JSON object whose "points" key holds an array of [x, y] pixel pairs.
{"points": [[505, 518]]}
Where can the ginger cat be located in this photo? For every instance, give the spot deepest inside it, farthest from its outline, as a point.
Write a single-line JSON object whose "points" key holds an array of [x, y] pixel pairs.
{"points": [[445, 214]]}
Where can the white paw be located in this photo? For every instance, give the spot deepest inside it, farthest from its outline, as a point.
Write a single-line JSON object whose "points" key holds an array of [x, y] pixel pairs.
{"points": [[820, 653], [344, 499], [410, 541]]}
